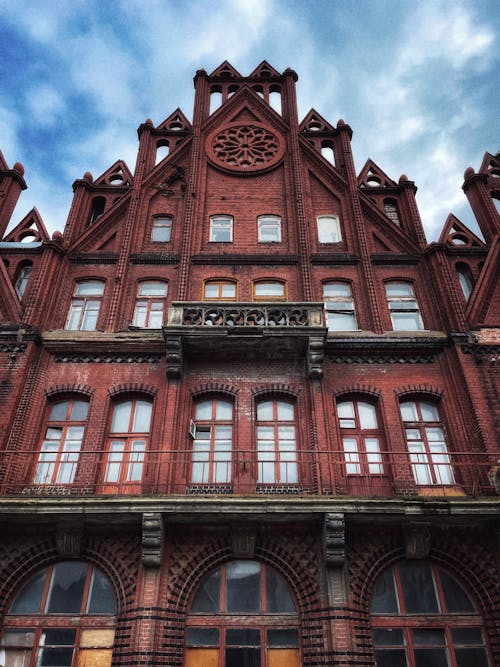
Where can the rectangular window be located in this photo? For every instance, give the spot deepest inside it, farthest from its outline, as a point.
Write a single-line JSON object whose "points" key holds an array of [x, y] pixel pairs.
{"points": [[85, 306], [339, 306], [403, 306], [276, 443], [150, 304], [269, 229], [213, 442], [221, 229], [162, 229], [328, 229]]}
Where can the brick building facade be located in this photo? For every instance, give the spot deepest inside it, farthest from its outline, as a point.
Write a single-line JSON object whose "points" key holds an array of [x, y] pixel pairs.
{"points": [[249, 414]]}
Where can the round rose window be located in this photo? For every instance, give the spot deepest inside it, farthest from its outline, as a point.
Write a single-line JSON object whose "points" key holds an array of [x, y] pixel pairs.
{"points": [[249, 147]]}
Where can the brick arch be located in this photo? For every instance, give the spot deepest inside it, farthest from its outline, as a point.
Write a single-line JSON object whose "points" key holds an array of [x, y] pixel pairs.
{"points": [[419, 389], [210, 556], [214, 388], [61, 389], [276, 389], [114, 562], [357, 389], [132, 388]]}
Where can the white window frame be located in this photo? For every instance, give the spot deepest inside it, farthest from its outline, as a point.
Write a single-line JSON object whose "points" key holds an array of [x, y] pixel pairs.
{"points": [[85, 306], [339, 306], [402, 304], [223, 225], [328, 227], [269, 225], [147, 308]]}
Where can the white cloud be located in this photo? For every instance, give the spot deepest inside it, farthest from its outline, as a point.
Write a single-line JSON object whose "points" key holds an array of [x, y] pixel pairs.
{"points": [[45, 104]]}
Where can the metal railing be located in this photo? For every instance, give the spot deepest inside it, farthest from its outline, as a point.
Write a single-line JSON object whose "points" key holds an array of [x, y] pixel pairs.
{"points": [[171, 472]]}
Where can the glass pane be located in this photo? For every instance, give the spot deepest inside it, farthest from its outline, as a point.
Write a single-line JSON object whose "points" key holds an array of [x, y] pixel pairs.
{"points": [[418, 588], [270, 289], [265, 411], [278, 596], [243, 586], [283, 638], [285, 411], [66, 590], [243, 637], [384, 599], [90, 288], [151, 288], [429, 412], [328, 229], [203, 410], [224, 410], [121, 417], [29, 598], [341, 321], [399, 289], [211, 290], [59, 411], [202, 637], [242, 657], [367, 415], [142, 417], [55, 657], [228, 290], [102, 597], [337, 290], [467, 636], [471, 657], [389, 637], [456, 599], [207, 598], [409, 411], [406, 321], [429, 637], [431, 657], [161, 229], [391, 658], [79, 411], [140, 314]]}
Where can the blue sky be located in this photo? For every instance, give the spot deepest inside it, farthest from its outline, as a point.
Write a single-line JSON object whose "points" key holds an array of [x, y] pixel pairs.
{"points": [[418, 82]]}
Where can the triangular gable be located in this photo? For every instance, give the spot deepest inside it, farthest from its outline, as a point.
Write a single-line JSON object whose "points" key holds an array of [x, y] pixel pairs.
{"points": [[264, 71], [226, 71], [328, 175], [373, 176], [30, 228], [314, 122], [8, 297], [490, 163], [99, 235], [455, 233], [387, 236], [176, 122], [118, 174]]}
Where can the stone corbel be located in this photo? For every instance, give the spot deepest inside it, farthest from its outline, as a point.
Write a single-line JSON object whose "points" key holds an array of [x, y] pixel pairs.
{"points": [[243, 542], [417, 539], [334, 540], [174, 356], [69, 539], [152, 539], [315, 356]]}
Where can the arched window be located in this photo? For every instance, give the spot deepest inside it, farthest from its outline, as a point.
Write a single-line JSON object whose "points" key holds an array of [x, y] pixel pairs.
{"points": [[243, 614], [422, 617], [97, 209], [63, 616], [391, 211], [150, 304], [161, 231], [269, 290], [361, 437], [276, 443], [85, 305], [162, 150], [403, 306], [60, 449], [221, 290], [213, 442], [465, 279], [328, 229], [426, 443], [339, 306], [127, 444], [327, 151], [269, 228], [23, 275]]}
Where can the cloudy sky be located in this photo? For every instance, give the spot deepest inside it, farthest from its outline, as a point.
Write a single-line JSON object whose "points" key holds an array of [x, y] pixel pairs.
{"points": [[418, 82]]}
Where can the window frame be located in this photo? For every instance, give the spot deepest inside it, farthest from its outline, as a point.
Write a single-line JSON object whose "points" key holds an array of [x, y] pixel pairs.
{"points": [[269, 222], [128, 458], [424, 462], [219, 223], [220, 283], [396, 312], [200, 455], [84, 305], [144, 306], [323, 232], [22, 280], [48, 467], [337, 305], [365, 463], [269, 281], [161, 222], [286, 470]]}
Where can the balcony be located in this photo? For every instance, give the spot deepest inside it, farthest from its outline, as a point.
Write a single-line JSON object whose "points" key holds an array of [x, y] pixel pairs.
{"points": [[257, 328]]}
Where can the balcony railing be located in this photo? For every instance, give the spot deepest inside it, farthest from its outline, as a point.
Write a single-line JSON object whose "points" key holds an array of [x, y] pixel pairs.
{"points": [[327, 473], [205, 314]]}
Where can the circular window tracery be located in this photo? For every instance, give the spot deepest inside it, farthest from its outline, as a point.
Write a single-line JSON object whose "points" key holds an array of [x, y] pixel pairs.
{"points": [[248, 147]]}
